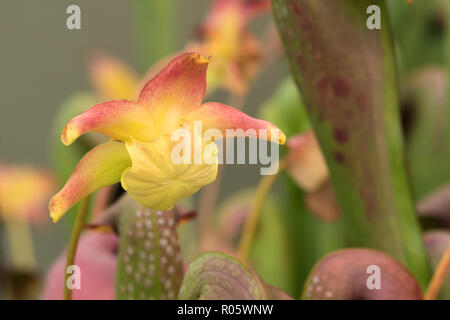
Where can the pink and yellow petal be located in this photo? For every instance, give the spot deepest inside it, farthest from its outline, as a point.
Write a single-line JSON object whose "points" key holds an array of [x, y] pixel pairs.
{"points": [[112, 79], [305, 161], [216, 67], [232, 122], [100, 167], [176, 90], [120, 119], [156, 181], [154, 70]]}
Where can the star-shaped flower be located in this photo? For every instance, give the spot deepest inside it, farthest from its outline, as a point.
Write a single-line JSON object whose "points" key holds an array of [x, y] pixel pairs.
{"points": [[238, 54], [140, 154]]}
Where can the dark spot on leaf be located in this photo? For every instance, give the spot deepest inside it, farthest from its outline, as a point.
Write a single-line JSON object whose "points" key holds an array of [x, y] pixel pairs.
{"points": [[339, 157], [341, 87], [340, 135], [295, 7]]}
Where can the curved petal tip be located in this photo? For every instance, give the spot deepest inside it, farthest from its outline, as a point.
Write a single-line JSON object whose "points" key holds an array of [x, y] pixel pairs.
{"points": [[281, 138], [69, 134], [55, 209], [198, 58]]}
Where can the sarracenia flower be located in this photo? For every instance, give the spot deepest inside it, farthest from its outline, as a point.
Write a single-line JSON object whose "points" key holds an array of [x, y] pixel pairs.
{"points": [[24, 191], [140, 154], [237, 53], [111, 78]]}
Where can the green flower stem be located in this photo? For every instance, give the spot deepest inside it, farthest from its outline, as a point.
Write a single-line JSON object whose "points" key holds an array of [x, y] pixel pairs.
{"points": [[347, 75], [73, 244], [21, 244], [155, 29], [254, 213], [207, 205]]}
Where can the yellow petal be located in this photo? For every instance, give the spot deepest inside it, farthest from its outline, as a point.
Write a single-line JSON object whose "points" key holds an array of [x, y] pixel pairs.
{"points": [[156, 182], [100, 167], [112, 79]]}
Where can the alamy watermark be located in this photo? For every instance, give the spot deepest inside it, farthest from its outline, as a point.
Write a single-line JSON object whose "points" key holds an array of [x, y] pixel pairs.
{"points": [[73, 282], [194, 148], [374, 280], [73, 20], [374, 20]]}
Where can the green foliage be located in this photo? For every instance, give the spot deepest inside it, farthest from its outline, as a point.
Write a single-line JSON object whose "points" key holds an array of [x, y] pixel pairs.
{"points": [[419, 30], [270, 254], [285, 109], [216, 275], [149, 262], [356, 119], [155, 29], [426, 104], [271, 249], [308, 238]]}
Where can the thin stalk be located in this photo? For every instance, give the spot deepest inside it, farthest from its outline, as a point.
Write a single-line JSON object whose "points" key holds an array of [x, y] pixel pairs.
{"points": [[155, 30], [207, 204], [438, 277], [254, 213], [21, 243], [73, 244]]}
